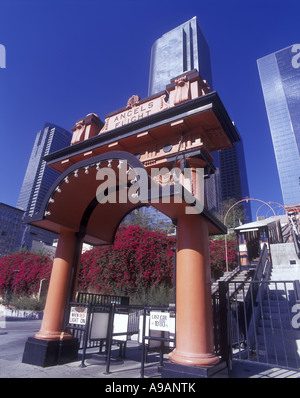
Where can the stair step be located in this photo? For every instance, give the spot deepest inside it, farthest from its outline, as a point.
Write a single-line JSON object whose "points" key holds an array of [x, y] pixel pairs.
{"points": [[281, 351], [276, 323], [267, 315], [279, 334], [290, 362]]}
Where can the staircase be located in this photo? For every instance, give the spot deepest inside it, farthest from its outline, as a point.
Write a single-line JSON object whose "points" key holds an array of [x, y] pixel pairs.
{"points": [[236, 276], [263, 304], [278, 340]]}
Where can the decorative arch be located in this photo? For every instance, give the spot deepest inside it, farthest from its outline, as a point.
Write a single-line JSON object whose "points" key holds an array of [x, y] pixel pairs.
{"points": [[72, 202]]}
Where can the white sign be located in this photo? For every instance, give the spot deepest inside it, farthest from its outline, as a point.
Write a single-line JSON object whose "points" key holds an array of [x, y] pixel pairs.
{"points": [[78, 315], [159, 320], [120, 326], [99, 326]]}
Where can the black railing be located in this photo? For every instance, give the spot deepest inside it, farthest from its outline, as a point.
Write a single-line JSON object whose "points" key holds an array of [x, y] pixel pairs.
{"points": [[262, 323], [296, 239], [98, 328], [94, 323], [95, 298], [231, 300], [261, 270], [159, 340]]}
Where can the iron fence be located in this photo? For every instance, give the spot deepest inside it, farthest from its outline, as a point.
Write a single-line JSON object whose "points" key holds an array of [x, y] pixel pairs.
{"points": [[262, 322]]}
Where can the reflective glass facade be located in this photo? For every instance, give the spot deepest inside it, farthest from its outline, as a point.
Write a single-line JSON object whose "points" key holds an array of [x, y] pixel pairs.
{"points": [[182, 49], [10, 229], [280, 79], [39, 178], [179, 50], [234, 180]]}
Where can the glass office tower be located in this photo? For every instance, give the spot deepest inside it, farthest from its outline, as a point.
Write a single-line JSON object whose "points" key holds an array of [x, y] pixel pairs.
{"points": [[233, 176], [179, 50], [39, 178], [10, 229], [280, 79], [182, 49]]}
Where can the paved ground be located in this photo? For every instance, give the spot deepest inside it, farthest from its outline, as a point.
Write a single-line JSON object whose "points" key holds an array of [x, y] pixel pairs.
{"points": [[14, 336]]}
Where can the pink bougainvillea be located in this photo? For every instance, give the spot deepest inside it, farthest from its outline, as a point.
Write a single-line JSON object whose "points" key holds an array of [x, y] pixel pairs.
{"points": [[139, 260], [26, 270], [218, 256]]}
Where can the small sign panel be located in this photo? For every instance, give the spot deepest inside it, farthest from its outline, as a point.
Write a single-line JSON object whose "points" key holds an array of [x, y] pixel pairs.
{"points": [[99, 328], [78, 315], [159, 320]]}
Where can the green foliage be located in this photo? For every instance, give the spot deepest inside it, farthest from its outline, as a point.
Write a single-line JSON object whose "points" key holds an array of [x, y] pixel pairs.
{"points": [[235, 216], [155, 296], [27, 303], [151, 221]]}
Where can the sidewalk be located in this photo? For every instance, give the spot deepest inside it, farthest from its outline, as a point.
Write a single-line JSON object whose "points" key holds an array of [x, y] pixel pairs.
{"points": [[14, 337]]}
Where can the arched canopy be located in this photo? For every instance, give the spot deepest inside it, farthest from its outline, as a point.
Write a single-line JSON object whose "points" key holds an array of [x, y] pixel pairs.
{"points": [[72, 200], [83, 200]]}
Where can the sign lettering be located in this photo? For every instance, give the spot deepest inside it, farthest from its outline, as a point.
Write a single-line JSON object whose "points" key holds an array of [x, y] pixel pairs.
{"points": [[135, 112], [78, 315], [159, 321]]}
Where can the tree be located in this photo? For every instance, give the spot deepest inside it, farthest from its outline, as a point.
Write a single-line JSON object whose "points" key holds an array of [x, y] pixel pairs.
{"points": [[149, 220], [236, 215]]}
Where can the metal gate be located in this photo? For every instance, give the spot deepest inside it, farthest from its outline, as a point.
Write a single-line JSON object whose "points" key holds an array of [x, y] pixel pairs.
{"points": [[263, 321]]}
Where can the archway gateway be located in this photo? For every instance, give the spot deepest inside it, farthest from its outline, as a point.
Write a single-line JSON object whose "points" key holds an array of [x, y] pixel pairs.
{"points": [[154, 152]]}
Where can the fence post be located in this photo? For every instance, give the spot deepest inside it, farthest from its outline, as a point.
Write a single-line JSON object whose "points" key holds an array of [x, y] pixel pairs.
{"points": [[110, 337], [223, 308], [86, 334]]}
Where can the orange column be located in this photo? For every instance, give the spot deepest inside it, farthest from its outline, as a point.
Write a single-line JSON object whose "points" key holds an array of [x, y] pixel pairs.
{"points": [[194, 329], [52, 324]]}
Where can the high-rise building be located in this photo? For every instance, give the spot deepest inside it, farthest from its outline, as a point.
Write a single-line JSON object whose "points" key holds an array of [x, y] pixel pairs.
{"points": [[39, 178], [182, 49], [10, 229], [233, 177], [280, 79]]}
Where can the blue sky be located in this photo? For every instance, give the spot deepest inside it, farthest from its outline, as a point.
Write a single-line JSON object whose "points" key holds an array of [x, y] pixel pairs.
{"points": [[68, 58]]}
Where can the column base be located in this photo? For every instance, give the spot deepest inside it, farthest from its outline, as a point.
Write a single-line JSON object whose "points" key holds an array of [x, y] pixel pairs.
{"points": [[193, 359], [50, 352], [179, 371]]}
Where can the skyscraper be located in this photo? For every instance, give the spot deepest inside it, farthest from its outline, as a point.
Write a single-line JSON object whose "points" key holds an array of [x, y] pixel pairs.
{"points": [[10, 229], [233, 176], [39, 178], [280, 79], [182, 49]]}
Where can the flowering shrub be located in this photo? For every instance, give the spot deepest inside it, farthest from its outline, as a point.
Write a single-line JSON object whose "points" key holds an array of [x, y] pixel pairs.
{"points": [[138, 260], [31, 269], [218, 255]]}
